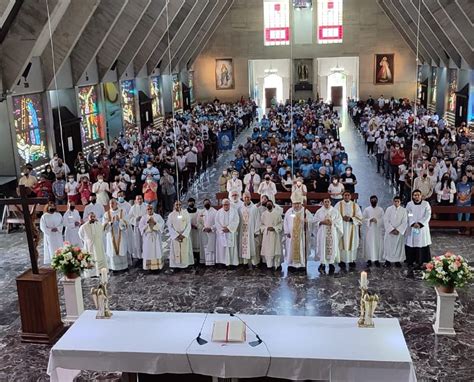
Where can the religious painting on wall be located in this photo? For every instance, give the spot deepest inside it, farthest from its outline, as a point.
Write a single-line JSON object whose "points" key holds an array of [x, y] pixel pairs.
{"points": [[155, 92], [384, 69], [452, 87], [92, 127], [30, 129], [224, 74], [128, 105], [434, 84], [177, 94]]}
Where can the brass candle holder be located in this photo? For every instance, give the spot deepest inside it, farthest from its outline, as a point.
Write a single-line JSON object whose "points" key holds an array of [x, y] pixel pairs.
{"points": [[368, 304]]}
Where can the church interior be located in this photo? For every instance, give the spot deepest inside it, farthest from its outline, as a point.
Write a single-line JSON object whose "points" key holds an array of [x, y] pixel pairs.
{"points": [[236, 190]]}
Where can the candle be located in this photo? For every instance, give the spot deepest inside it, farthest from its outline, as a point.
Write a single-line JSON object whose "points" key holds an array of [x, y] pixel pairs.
{"points": [[104, 272], [363, 279]]}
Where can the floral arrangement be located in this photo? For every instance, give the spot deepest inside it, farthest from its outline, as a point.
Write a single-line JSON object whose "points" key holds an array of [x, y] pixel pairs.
{"points": [[448, 270], [71, 260]]}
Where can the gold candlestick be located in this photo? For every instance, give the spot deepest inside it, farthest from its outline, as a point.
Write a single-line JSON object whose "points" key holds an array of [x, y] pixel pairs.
{"points": [[100, 296], [368, 303]]}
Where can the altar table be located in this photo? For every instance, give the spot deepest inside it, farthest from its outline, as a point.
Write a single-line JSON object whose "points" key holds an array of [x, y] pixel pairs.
{"points": [[294, 348]]}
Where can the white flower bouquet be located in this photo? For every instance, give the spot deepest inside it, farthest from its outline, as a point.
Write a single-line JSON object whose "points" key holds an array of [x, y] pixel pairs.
{"points": [[448, 271], [71, 260]]}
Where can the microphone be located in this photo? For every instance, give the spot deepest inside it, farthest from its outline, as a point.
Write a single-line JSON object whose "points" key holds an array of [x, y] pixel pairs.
{"points": [[251, 343], [201, 341]]}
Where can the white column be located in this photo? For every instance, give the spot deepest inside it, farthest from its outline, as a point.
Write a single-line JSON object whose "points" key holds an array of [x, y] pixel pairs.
{"points": [[73, 297], [445, 313]]}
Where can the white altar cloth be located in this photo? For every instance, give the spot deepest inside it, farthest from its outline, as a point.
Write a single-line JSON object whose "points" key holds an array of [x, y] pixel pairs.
{"points": [[328, 348]]}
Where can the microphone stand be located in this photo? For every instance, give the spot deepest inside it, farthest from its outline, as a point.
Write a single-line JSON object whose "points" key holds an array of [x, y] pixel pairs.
{"points": [[201, 341], [252, 343]]}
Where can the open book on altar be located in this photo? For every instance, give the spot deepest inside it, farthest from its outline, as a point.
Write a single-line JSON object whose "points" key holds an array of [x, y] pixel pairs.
{"points": [[228, 331]]}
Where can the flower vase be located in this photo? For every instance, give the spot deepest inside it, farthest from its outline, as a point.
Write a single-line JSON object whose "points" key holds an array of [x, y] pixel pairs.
{"points": [[71, 275], [446, 288]]}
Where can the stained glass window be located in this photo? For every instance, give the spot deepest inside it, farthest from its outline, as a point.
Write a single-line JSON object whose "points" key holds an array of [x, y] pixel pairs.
{"points": [[155, 91], [177, 96], [276, 15], [434, 84], [128, 105], [30, 129], [452, 87], [91, 125], [330, 28], [192, 97]]}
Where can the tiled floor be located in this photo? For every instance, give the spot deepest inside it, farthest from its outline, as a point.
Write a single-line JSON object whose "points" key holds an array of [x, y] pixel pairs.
{"points": [[262, 292]]}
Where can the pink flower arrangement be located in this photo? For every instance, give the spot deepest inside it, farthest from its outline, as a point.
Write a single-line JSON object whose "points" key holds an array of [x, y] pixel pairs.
{"points": [[448, 270], [70, 259]]}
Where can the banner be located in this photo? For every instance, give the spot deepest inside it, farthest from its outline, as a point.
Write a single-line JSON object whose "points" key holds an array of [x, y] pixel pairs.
{"points": [[225, 139]]}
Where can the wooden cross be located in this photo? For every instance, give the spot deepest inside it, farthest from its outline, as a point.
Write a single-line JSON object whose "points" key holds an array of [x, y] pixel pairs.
{"points": [[31, 231]]}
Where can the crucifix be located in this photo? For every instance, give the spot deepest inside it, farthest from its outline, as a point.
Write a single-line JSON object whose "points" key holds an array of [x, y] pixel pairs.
{"points": [[32, 234], [37, 287]]}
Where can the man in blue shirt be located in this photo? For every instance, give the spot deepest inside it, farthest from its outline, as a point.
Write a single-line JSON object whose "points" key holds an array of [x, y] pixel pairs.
{"points": [[151, 170]]}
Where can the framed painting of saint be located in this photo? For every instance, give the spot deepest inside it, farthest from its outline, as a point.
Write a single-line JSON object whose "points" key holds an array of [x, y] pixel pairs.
{"points": [[384, 69], [224, 74]]}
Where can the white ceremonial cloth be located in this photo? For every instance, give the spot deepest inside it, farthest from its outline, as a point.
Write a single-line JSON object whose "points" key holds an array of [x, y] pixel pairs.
{"points": [[373, 243], [162, 342]]}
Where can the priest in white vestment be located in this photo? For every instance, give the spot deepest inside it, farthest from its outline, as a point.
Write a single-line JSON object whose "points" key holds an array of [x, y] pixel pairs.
{"points": [[93, 206], [115, 228], [227, 226], [137, 211], [207, 225], [328, 222], [92, 236], [101, 189], [373, 235], [249, 228], [271, 227], [297, 228], [418, 236], [235, 201], [195, 233], [351, 222], [395, 223], [151, 226], [72, 221], [179, 227], [51, 224]]}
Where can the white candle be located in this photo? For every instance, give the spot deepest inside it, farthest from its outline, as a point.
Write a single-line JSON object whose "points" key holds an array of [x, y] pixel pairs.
{"points": [[104, 272], [363, 279]]}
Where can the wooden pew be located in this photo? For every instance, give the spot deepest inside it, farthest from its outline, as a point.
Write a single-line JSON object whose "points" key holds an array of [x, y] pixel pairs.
{"points": [[446, 217]]}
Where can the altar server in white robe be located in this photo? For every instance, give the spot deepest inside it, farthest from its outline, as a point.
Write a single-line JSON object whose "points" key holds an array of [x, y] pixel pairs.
{"points": [[249, 229], [137, 211], [125, 206], [116, 246], [373, 239], [72, 221], [235, 201], [271, 227], [92, 236], [227, 227], [297, 228], [195, 233], [51, 224], [93, 206], [328, 226], [207, 225], [151, 226], [101, 189], [418, 237], [351, 222], [179, 227], [395, 223]]}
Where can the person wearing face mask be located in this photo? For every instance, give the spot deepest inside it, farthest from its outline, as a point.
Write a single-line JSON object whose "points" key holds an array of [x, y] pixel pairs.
{"points": [[149, 191], [48, 173], [150, 170], [251, 181], [116, 238], [335, 190], [28, 180], [299, 188], [136, 212], [92, 235], [84, 189], [59, 192], [349, 180], [195, 233], [101, 189], [122, 203], [179, 227], [226, 227], [51, 224], [151, 226], [373, 233], [445, 190], [72, 221], [424, 184], [206, 225], [268, 188], [249, 229], [223, 180], [234, 184], [271, 227], [395, 224], [71, 189]]}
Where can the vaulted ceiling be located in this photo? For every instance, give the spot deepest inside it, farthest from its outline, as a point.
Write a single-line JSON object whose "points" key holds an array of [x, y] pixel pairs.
{"points": [[442, 30], [164, 34]]}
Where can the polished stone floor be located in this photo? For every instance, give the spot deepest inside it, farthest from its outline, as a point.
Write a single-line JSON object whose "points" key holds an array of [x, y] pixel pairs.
{"points": [[264, 292]]}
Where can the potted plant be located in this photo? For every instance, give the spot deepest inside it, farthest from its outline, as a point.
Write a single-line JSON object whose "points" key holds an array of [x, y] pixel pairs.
{"points": [[447, 272], [71, 260]]}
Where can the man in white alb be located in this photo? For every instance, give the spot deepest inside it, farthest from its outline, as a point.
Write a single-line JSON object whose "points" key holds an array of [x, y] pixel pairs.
{"points": [[249, 228], [135, 214], [227, 226], [206, 224], [92, 236], [72, 221], [395, 223], [151, 227], [373, 236], [179, 227], [116, 245], [271, 227]]}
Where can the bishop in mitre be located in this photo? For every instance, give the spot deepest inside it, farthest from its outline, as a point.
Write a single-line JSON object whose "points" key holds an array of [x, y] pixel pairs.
{"points": [[207, 226], [116, 228], [395, 223], [249, 229], [92, 236], [373, 236], [351, 222], [227, 226], [151, 226], [297, 229], [179, 227], [328, 226], [137, 211], [271, 227]]}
